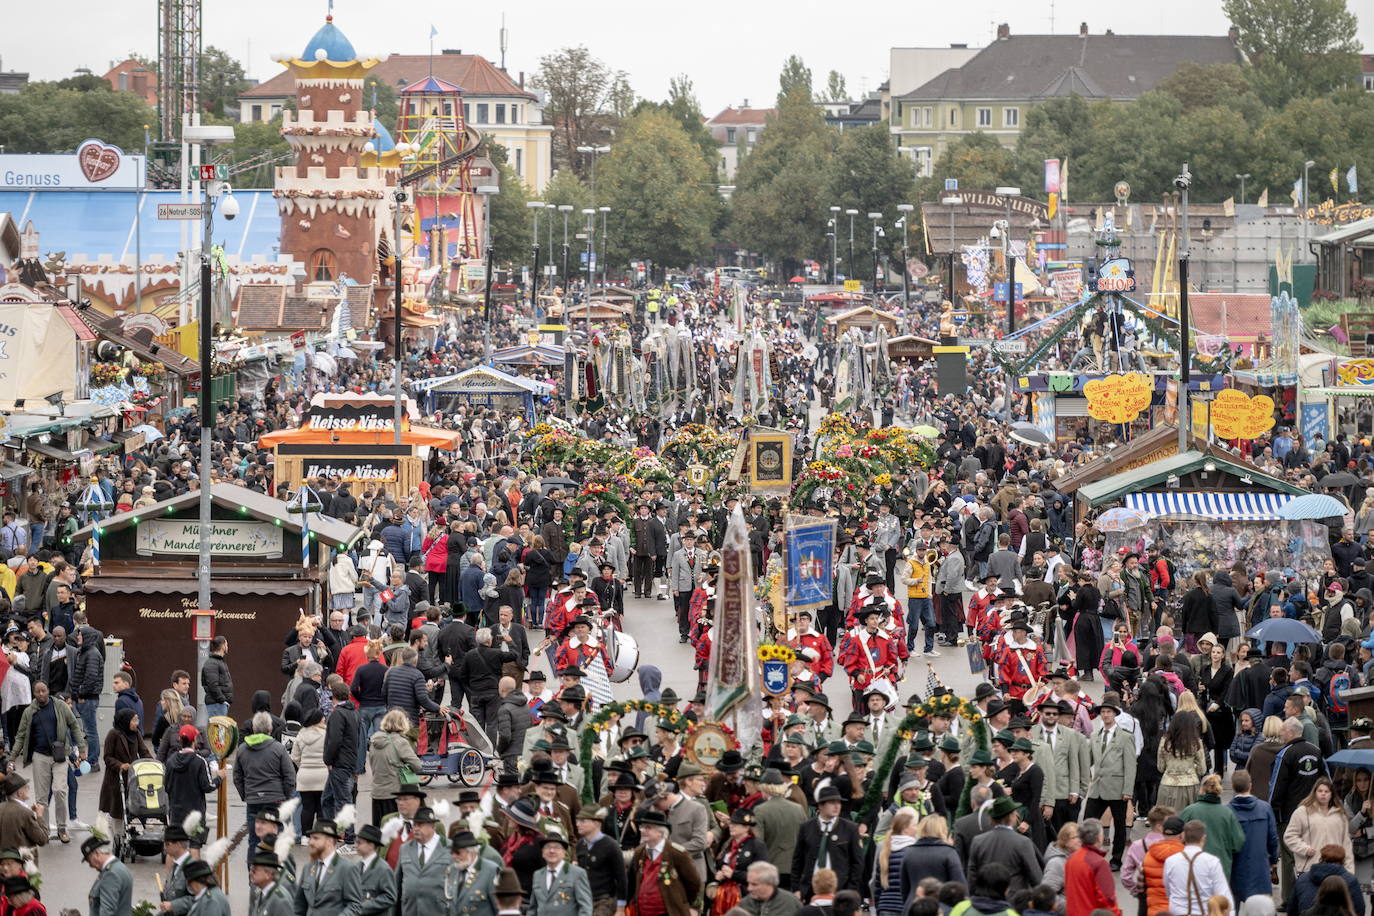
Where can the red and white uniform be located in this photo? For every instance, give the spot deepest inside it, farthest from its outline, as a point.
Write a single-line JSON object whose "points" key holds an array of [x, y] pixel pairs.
{"points": [[824, 665], [573, 653], [1018, 665], [867, 657]]}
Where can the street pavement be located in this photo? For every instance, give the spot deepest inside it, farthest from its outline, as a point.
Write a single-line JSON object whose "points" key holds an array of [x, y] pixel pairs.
{"points": [[66, 879]]}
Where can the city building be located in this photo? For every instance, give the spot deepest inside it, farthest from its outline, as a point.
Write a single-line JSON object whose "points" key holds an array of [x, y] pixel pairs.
{"points": [[994, 89], [133, 76], [862, 113], [498, 106], [12, 82], [911, 68], [1367, 72], [736, 129]]}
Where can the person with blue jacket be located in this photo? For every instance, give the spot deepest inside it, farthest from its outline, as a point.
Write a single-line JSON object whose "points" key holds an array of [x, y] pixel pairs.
{"points": [[1250, 867]]}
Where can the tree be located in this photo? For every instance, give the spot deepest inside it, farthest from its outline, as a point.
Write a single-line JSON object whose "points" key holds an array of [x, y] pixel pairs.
{"points": [[256, 139], [580, 90], [779, 206], [835, 89], [221, 80], [511, 222], [662, 195], [1058, 129], [976, 159], [867, 174], [1140, 141], [84, 82], [45, 118], [1303, 129], [683, 106], [381, 97], [1296, 47], [565, 188], [1203, 86], [795, 76]]}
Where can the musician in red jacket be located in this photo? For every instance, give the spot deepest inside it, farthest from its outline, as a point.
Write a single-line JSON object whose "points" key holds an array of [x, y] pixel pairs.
{"points": [[804, 637], [1019, 660], [867, 654], [580, 647]]}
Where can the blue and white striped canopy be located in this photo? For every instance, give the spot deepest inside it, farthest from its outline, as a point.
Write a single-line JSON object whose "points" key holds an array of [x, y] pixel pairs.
{"points": [[1221, 506]]}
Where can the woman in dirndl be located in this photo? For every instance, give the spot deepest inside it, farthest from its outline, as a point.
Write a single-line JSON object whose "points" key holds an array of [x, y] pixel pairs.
{"points": [[742, 849]]}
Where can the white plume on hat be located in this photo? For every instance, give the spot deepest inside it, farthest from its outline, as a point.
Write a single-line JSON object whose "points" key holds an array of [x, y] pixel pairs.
{"points": [[346, 817], [191, 823], [215, 851], [285, 840], [287, 810], [443, 812], [392, 829]]}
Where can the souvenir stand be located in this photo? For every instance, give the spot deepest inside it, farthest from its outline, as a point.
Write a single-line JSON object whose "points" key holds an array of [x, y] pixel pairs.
{"points": [[145, 586], [481, 386]]}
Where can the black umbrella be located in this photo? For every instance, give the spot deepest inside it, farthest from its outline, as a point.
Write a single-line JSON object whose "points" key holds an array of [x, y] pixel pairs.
{"points": [[556, 483], [1338, 480], [1029, 434]]}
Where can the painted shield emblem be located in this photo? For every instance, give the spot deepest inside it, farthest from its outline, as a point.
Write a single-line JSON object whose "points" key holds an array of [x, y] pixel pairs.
{"points": [[222, 734], [775, 677]]}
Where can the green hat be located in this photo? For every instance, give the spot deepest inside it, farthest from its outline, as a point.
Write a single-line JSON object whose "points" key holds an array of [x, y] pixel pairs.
{"points": [[949, 744], [1005, 737], [922, 742], [795, 719], [1003, 805], [837, 747], [1024, 745], [668, 725], [687, 768], [797, 739], [915, 761], [981, 758], [864, 746], [636, 752]]}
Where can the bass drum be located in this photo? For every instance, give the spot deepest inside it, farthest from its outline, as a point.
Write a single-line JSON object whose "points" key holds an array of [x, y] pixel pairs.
{"points": [[625, 652]]}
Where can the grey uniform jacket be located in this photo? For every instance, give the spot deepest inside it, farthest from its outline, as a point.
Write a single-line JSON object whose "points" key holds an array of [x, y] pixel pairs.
{"points": [[276, 902], [329, 888], [421, 890], [1113, 764], [112, 894], [1072, 762], [570, 894], [211, 903], [472, 896], [378, 883], [682, 571]]}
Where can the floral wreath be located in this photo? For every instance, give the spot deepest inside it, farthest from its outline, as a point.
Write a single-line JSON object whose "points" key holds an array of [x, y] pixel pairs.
{"points": [[917, 719], [601, 721], [770, 652], [731, 739], [596, 493]]}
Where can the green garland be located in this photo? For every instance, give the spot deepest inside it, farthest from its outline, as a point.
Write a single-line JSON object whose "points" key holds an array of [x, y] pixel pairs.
{"points": [[601, 721], [605, 496], [917, 719]]}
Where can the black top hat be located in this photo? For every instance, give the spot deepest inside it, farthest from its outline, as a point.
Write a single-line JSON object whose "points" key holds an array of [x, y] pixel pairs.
{"points": [[469, 797], [873, 580], [91, 844], [326, 827], [1048, 702], [463, 839], [505, 780], [269, 815], [546, 778], [525, 813], [266, 858], [630, 734], [570, 671], [174, 834], [668, 697], [370, 833], [855, 718], [573, 694], [869, 610], [626, 781], [743, 817], [820, 699], [732, 761], [652, 818], [828, 794], [196, 870], [18, 884]]}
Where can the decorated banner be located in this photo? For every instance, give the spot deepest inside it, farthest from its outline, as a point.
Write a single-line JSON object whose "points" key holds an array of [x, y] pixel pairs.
{"points": [[733, 670], [1119, 398], [770, 461], [1236, 415], [775, 668], [227, 538], [810, 570]]}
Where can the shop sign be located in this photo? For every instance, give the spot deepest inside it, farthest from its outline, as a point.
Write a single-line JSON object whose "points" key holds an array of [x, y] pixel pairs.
{"points": [[361, 470], [1114, 276], [1315, 421], [1236, 415], [1119, 398], [355, 418], [231, 539], [1328, 212], [1356, 373], [1001, 202], [95, 164]]}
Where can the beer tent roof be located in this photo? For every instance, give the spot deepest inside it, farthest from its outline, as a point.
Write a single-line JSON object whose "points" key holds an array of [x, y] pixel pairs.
{"points": [[249, 503]]}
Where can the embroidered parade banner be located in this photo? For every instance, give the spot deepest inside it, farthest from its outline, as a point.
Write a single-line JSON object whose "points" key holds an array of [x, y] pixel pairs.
{"points": [[733, 668], [810, 563]]}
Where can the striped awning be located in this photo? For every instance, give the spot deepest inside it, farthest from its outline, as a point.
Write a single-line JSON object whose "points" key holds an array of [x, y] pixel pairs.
{"points": [[1220, 506]]}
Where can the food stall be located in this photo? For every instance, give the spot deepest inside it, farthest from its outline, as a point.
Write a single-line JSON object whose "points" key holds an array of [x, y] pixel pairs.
{"points": [[481, 386]]}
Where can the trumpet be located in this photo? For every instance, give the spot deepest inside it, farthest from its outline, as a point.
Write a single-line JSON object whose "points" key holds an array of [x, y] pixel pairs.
{"points": [[932, 556]]}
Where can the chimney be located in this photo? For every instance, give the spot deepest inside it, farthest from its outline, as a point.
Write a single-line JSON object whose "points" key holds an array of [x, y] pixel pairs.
{"points": [[1233, 33], [744, 104], [299, 287], [1003, 32], [522, 79], [1083, 29]]}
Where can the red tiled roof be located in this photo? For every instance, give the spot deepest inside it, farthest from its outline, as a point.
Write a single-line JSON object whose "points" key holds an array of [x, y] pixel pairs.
{"points": [[1245, 314], [743, 116], [474, 73]]}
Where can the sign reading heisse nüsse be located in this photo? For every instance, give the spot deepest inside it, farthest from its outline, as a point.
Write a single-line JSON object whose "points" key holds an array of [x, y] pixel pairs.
{"points": [[227, 538]]}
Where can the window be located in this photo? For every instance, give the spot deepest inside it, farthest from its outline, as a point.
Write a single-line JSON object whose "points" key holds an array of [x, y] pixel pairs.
{"points": [[257, 112], [520, 162], [985, 117], [515, 114], [500, 113], [1369, 82], [448, 109], [751, 135], [928, 116], [481, 112], [954, 117], [322, 265], [124, 82], [729, 135], [273, 111], [467, 112], [1011, 117], [924, 162]]}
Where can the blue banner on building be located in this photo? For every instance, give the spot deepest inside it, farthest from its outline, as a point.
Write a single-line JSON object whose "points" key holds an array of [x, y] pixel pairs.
{"points": [[1314, 422], [810, 564]]}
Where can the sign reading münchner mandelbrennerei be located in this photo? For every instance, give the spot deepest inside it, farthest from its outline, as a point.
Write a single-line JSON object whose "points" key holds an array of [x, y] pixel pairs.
{"points": [[227, 538]]}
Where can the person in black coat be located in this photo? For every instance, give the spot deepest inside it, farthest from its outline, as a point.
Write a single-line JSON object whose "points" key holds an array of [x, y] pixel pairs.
{"points": [[340, 752], [453, 642], [1199, 613], [480, 670], [600, 856], [739, 850], [1214, 686], [1084, 603], [929, 857], [842, 851]]}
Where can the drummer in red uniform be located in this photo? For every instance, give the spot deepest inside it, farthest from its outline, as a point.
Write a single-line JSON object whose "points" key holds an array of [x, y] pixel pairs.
{"points": [[803, 637], [1019, 659], [867, 654], [580, 647]]}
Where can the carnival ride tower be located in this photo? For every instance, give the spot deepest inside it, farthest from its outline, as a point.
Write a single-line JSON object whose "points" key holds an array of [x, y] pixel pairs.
{"points": [[431, 123], [333, 208]]}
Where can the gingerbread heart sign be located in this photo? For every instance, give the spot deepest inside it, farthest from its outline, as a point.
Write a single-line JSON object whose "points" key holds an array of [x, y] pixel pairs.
{"points": [[98, 160]]}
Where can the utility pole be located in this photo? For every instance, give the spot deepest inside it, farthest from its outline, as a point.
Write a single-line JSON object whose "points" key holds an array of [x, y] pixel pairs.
{"points": [[1185, 419], [399, 196], [906, 284], [1242, 178], [590, 214], [1010, 256], [535, 206], [605, 246], [877, 231], [849, 265], [834, 241], [951, 202], [565, 209]]}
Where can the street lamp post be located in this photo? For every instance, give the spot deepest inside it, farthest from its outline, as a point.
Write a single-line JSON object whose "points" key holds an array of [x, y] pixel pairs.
{"points": [[906, 210], [605, 242], [834, 240], [849, 265], [951, 202], [1243, 178], [594, 152], [1185, 362], [877, 230], [1305, 228], [488, 191], [590, 214], [535, 206], [565, 209]]}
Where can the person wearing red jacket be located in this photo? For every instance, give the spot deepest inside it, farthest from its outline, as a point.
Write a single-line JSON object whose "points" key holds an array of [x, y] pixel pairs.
{"points": [[803, 637], [1088, 881], [353, 655], [867, 654]]}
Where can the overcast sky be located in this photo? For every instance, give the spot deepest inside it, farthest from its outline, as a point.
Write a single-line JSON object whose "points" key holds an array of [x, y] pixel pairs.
{"points": [[732, 50]]}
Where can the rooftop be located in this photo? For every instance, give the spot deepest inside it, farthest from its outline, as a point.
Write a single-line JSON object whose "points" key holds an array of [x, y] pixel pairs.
{"points": [[745, 116], [1094, 66], [477, 75], [329, 44], [277, 307]]}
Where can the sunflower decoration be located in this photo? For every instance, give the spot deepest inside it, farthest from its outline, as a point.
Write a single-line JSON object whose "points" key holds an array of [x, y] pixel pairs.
{"points": [[771, 652]]}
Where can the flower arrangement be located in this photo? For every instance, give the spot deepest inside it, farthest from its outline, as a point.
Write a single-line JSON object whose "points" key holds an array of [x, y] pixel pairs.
{"points": [[914, 721], [103, 374], [883, 480], [152, 371], [607, 716], [772, 653], [835, 424]]}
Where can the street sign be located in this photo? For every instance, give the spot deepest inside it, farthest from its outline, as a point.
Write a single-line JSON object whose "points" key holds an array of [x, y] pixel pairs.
{"points": [[1009, 346], [975, 341], [951, 184], [853, 286], [214, 172], [999, 292], [180, 211]]}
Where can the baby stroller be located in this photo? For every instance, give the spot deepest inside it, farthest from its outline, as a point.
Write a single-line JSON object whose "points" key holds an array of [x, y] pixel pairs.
{"points": [[454, 746], [145, 810]]}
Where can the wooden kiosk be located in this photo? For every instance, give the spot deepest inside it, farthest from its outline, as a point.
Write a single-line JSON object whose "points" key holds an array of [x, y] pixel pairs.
{"points": [[145, 588], [352, 438]]}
